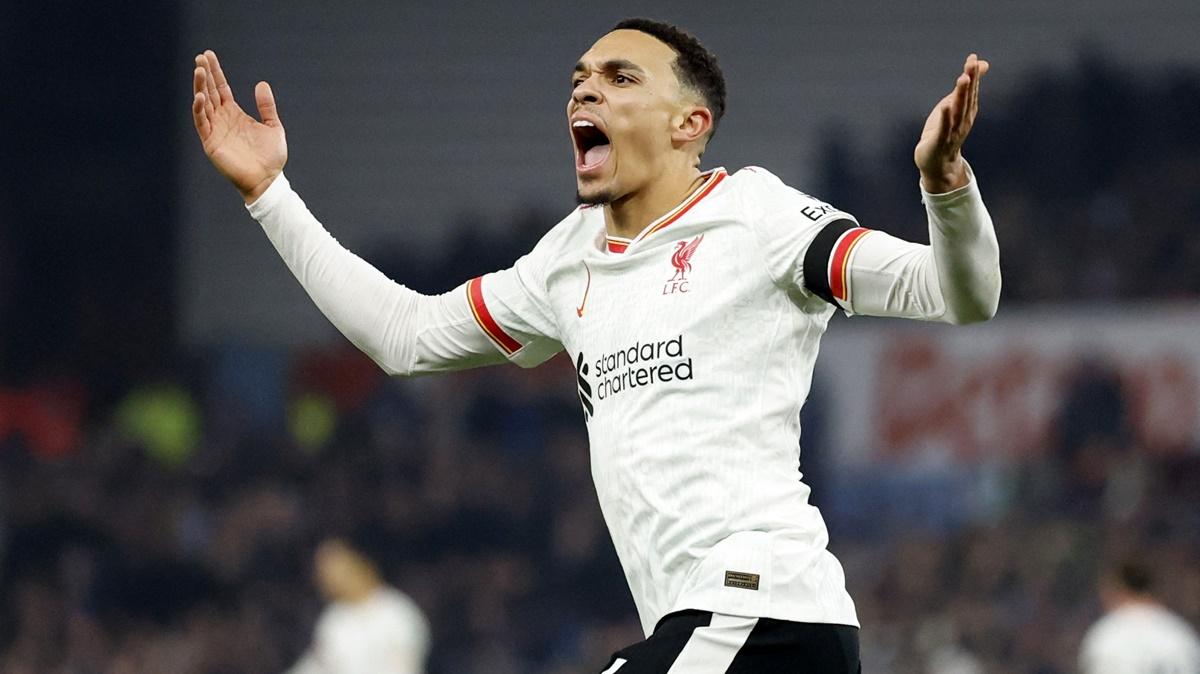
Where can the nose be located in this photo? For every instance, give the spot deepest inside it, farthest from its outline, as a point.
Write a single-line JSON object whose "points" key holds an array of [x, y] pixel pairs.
{"points": [[586, 92]]}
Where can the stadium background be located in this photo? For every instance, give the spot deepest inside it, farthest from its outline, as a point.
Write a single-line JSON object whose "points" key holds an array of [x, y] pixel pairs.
{"points": [[179, 426]]}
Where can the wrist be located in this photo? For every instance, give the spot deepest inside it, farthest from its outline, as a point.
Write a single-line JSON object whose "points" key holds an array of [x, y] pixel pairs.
{"points": [[945, 177], [252, 194]]}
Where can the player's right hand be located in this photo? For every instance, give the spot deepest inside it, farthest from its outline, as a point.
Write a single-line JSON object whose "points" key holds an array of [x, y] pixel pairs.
{"points": [[248, 152]]}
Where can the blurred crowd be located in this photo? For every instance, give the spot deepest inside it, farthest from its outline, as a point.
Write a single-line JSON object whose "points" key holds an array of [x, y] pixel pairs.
{"points": [[1089, 173], [185, 546], [167, 523]]}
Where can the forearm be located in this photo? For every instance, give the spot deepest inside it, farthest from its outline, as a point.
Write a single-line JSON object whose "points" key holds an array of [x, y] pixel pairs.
{"points": [[965, 250], [956, 278], [401, 330], [947, 177]]}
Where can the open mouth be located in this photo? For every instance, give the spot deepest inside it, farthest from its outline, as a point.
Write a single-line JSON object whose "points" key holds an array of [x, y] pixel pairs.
{"points": [[591, 144]]}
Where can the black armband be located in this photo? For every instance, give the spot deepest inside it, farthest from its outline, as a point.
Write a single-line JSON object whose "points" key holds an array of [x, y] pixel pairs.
{"points": [[816, 260]]}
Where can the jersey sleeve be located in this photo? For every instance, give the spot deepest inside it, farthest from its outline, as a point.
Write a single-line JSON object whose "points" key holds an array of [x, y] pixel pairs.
{"points": [[510, 307], [403, 331], [799, 234], [823, 252], [955, 278]]}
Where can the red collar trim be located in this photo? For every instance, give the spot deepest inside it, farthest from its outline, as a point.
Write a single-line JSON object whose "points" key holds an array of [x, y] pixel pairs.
{"points": [[618, 245], [715, 177]]}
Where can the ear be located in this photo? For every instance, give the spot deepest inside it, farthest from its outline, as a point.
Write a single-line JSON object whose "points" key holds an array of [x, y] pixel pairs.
{"points": [[693, 123]]}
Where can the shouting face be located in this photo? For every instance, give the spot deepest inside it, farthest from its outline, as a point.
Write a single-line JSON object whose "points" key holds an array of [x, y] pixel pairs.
{"points": [[629, 115]]}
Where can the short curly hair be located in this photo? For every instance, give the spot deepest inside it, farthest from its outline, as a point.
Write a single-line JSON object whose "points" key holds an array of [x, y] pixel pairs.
{"points": [[695, 66]]}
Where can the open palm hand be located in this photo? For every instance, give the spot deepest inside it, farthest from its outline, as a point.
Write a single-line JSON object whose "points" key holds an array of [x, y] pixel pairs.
{"points": [[938, 154], [248, 152]]}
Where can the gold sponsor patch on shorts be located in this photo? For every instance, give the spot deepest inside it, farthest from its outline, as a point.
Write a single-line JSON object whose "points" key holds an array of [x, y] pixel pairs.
{"points": [[745, 581]]}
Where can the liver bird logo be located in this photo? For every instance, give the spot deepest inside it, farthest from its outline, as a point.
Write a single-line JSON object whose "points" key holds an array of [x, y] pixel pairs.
{"points": [[681, 259]]}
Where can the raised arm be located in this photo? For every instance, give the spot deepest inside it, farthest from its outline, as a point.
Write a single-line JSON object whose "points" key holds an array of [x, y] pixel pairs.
{"points": [[956, 278], [403, 331]]}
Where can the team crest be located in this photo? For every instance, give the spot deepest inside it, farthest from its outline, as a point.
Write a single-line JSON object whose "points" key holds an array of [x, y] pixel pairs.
{"points": [[681, 260]]}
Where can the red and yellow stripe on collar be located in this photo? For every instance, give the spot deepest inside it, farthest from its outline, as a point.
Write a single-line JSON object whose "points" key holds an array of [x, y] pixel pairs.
{"points": [[486, 322], [839, 263], [616, 244], [704, 190]]}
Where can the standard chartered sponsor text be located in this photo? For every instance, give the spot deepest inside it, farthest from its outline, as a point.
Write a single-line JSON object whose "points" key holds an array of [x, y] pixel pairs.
{"points": [[642, 364]]}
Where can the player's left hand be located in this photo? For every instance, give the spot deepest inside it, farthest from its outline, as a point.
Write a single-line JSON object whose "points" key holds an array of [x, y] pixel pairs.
{"points": [[939, 152]]}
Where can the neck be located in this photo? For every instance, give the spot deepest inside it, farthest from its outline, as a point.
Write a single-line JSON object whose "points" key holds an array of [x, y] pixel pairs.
{"points": [[360, 591], [1133, 599], [628, 216]]}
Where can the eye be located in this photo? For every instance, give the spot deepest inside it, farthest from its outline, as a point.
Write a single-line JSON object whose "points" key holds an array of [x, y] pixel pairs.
{"points": [[621, 79]]}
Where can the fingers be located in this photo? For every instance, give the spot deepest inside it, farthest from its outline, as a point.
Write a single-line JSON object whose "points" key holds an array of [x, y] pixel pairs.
{"points": [[977, 70], [198, 85], [959, 101], [210, 84], [200, 116], [973, 104], [200, 93], [965, 96], [265, 100], [973, 93], [219, 80], [945, 122], [202, 83]]}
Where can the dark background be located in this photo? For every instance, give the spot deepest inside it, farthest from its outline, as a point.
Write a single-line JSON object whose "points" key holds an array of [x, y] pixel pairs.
{"points": [[179, 426]]}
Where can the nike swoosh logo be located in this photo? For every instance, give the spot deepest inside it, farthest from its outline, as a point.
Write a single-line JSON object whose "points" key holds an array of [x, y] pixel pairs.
{"points": [[586, 290]]}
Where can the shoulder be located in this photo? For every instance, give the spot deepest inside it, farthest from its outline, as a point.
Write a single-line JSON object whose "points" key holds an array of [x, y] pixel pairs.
{"points": [[758, 179], [755, 181], [1100, 631], [1103, 641], [1177, 627], [784, 219], [333, 619], [1126, 625], [400, 607], [764, 193], [582, 227]]}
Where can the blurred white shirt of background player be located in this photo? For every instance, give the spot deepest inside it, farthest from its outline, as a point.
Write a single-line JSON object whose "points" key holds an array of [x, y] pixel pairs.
{"points": [[368, 627], [1137, 635]]}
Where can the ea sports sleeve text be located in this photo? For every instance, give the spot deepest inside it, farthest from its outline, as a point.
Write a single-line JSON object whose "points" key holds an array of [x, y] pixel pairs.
{"points": [[797, 233]]}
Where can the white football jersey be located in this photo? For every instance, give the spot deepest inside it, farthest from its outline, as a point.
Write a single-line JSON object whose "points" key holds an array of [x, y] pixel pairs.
{"points": [[694, 346], [1140, 639], [383, 634]]}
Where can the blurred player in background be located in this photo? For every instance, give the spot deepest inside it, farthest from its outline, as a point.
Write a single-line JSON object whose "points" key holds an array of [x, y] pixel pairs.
{"points": [[692, 304], [368, 626], [1137, 635]]}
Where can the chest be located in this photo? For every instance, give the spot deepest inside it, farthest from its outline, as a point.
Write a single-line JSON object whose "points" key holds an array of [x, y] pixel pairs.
{"points": [[705, 282]]}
